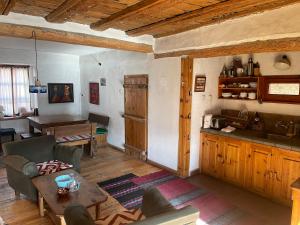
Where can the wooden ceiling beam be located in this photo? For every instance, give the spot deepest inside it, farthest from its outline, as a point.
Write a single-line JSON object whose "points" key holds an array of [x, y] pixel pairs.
{"points": [[6, 6], [220, 12], [108, 22], [61, 13], [276, 45], [46, 34]]}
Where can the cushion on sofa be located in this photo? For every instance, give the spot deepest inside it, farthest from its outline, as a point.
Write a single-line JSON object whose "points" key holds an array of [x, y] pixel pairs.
{"points": [[52, 166], [122, 218]]}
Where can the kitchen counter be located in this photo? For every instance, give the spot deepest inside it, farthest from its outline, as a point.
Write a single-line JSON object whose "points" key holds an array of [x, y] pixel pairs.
{"points": [[260, 138]]}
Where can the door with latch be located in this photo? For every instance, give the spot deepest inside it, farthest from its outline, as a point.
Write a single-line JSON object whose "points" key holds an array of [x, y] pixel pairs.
{"points": [[136, 115]]}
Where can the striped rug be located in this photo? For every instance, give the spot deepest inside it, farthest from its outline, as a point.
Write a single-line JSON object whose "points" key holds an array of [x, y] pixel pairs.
{"points": [[128, 190]]}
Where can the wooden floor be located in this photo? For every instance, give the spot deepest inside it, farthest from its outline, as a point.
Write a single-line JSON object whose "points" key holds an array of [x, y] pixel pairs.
{"points": [[111, 163]]}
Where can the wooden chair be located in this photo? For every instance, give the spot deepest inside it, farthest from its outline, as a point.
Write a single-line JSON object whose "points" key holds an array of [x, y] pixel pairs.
{"points": [[75, 135]]}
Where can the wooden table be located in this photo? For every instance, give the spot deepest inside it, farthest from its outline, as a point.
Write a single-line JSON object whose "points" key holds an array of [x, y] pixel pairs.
{"points": [[43, 122], [88, 195]]}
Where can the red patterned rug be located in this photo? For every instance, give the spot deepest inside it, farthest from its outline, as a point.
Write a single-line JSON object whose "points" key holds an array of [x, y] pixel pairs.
{"points": [[128, 190]]}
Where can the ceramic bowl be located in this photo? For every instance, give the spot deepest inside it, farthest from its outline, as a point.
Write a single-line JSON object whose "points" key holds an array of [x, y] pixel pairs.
{"points": [[243, 94], [253, 84], [226, 95]]}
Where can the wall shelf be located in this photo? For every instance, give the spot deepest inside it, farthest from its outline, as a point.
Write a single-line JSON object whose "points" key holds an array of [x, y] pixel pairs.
{"points": [[225, 86]]}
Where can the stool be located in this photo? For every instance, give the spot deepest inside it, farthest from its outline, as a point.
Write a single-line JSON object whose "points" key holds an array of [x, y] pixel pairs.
{"points": [[7, 132]]}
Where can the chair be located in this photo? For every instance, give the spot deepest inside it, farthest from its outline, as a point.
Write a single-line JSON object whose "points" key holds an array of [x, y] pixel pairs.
{"points": [[21, 158], [155, 208]]}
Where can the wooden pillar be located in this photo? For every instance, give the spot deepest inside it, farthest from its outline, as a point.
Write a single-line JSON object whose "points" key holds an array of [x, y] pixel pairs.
{"points": [[295, 220], [185, 116]]}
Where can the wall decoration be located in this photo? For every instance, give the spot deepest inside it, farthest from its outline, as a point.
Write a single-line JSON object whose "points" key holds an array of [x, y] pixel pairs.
{"points": [[60, 92], [94, 93], [103, 81], [200, 82]]}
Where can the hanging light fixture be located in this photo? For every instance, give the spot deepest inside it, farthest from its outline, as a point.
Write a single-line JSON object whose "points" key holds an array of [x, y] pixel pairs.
{"points": [[37, 87], [282, 63]]}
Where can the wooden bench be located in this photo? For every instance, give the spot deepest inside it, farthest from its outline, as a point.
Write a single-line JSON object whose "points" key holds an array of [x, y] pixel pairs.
{"points": [[78, 134]]}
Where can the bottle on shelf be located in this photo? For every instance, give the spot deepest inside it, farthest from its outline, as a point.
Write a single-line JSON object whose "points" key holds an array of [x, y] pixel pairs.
{"points": [[250, 68]]}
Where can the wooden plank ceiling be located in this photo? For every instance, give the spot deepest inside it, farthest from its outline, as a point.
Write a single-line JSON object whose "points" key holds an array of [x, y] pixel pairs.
{"points": [[137, 17]]}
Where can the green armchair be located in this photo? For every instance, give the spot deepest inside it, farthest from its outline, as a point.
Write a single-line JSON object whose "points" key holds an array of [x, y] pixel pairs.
{"points": [[21, 158], [155, 208]]}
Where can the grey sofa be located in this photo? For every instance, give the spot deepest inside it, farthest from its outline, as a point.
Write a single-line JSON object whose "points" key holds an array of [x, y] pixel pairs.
{"points": [[155, 207], [20, 158]]}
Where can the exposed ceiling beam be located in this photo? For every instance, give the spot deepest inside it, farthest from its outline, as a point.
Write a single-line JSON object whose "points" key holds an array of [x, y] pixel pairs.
{"points": [[46, 34], [61, 13], [108, 22], [220, 12], [276, 45], [6, 6]]}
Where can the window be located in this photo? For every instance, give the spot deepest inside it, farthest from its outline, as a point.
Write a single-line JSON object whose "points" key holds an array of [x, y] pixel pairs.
{"points": [[280, 89], [14, 89]]}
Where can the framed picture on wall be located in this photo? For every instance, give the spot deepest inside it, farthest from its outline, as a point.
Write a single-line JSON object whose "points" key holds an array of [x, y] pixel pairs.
{"points": [[60, 93], [94, 93], [200, 82]]}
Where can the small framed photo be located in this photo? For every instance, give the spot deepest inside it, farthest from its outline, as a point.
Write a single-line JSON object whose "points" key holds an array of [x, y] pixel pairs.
{"points": [[200, 82], [103, 81]]}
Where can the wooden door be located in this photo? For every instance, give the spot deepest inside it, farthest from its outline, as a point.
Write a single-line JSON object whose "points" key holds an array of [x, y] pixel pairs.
{"points": [[258, 170], [211, 153], [234, 160], [286, 170], [136, 115], [185, 109]]}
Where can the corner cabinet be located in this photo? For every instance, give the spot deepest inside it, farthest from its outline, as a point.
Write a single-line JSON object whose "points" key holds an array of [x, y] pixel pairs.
{"points": [[262, 169]]}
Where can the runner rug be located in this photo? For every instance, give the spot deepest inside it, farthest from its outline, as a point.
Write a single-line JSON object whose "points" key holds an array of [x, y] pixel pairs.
{"points": [[128, 191]]}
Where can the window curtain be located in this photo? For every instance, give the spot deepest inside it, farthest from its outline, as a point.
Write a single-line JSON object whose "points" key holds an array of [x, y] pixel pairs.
{"points": [[6, 97], [21, 88]]}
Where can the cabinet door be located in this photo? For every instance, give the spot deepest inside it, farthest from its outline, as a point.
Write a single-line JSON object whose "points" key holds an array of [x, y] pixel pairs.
{"points": [[286, 169], [210, 149], [259, 167], [234, 160]]}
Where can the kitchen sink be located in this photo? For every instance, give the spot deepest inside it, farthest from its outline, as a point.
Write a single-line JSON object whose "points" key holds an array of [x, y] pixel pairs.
{"points": [[281, 137]]}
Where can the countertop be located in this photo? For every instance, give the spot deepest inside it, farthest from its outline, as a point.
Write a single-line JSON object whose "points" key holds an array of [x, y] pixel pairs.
{"points": [[260, 138]]}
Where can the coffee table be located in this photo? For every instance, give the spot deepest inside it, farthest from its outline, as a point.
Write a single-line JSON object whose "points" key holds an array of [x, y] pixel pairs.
{"points": [[88, 195]]}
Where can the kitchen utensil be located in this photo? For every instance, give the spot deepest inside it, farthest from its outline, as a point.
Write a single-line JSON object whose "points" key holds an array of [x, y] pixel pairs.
{"points": [[207, 120]]}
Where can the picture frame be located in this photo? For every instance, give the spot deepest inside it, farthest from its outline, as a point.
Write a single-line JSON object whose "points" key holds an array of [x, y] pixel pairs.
{"points": [[200, 83], [60, 93], [94, 93]]}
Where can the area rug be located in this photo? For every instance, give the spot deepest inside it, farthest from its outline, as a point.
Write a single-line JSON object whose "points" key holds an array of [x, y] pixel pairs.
{"points": [[128, 191]]}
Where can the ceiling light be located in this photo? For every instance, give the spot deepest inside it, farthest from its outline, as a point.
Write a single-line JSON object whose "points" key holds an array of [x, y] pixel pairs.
{"points": [[282, 63]]}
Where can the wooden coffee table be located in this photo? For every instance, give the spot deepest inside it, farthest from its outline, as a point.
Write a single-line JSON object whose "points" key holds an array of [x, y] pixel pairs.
{"points": [[88, 195]]}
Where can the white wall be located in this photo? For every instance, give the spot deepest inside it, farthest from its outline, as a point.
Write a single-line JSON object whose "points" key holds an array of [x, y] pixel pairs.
{"points": [[164, 75], [278, 23], [164, 93], [53, 68], [209, 101], [115, 64]]}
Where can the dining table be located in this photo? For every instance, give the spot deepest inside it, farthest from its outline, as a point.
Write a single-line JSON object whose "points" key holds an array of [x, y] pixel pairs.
{"points": [[44, 122]]}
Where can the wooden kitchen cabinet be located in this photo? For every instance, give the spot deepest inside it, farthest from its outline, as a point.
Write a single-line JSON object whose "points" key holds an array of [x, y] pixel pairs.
{"points": [[234, 163], [286, 169], [211, 153], [258, 168]]}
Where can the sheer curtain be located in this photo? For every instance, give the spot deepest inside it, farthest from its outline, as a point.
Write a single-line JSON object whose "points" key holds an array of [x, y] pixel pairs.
{"points": [[6, 99], [21, 94]]}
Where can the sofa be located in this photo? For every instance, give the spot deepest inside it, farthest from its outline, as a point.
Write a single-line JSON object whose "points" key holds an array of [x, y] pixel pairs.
{"points": [[155, 208], [21, 159]]}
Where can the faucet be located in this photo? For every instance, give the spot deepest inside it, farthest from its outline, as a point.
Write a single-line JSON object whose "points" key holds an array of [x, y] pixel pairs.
{"points": [[289, 126]]}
